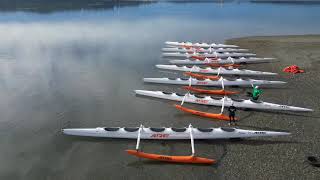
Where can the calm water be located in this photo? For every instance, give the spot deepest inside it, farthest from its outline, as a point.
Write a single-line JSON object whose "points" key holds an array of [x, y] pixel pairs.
{"points": [[78, 67]]}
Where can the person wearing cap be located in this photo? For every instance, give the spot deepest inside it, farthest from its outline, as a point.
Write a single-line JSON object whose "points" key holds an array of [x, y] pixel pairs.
{"points": [[256, 92]]}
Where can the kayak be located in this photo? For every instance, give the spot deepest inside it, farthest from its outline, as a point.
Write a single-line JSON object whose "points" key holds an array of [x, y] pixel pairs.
{"points": [[201, 50], [163, 133], [203, 45], [207, 55], [206, 61], [215, 101], [208, 82], [220, 70]]}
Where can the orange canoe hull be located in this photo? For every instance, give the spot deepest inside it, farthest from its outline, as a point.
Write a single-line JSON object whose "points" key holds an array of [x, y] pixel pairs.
{"points": [[200, 76], [205, 91], [174, 159], [204, 114]]}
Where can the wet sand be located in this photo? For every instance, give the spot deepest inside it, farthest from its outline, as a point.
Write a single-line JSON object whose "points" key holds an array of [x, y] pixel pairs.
{"points": [[79, 92], [263, 158]]}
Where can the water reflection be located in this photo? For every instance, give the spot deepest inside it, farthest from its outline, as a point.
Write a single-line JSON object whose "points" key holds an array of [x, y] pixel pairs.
{"points": [[81, 67]]}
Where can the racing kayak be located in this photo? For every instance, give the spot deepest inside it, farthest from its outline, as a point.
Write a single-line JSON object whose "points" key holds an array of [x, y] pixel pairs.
{"points": [[208, 82], [215, 101], [201, 50], [207, 55], [203, 45], [219, 71], [206, 61], [163, 133]]}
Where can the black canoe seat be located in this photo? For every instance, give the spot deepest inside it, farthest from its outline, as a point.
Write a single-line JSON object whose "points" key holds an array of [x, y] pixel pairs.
{"points": [[185, 79], [227, 129], [199, 96], [205, 129], [238, 100], [131, 129], [179, 129], [170, 78], [168, 93], [157, 129], [111, 129], [255, 101], [180, 94], [215, 98]]}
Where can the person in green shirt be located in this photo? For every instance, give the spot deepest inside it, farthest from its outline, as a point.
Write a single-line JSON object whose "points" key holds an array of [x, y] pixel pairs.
{"points": [[256, 92]]}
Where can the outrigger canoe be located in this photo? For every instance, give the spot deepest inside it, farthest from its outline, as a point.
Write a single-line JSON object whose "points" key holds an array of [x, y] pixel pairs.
{"points": [[207, 55], [215, 101], [163, 133], [203, 45], [170, 134], [219, 71], [201, 50], [221, 61], [208, 82]]}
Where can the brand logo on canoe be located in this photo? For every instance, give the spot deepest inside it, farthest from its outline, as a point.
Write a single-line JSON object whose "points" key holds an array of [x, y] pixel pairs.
{"points": [[202, 101], [202, 82], [160, 135]]}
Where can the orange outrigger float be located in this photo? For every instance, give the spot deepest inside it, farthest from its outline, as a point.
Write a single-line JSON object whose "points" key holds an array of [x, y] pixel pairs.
{"points": [[204, 114], [201, 76], [205, 91], [192, 159]]}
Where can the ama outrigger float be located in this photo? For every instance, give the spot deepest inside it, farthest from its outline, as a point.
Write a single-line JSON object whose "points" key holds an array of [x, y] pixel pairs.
{"points": [[201, 45], [220, 70], [221, 61], [170, 134], [217, 101]]}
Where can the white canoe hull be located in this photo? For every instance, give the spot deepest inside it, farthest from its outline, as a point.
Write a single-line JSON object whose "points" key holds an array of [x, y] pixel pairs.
{"points": [[250, 60], [209, 70], [208, 82], [202, 45], [207, 55], [170, 133], [208, 100], [202, 50]]}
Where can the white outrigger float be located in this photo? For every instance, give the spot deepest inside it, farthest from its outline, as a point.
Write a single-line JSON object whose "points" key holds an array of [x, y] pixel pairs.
{"points": [[208, 82], [225, 101], [202, 45], [201, 50], [206, 55], [218, 71], [170, 134], [229, 60]]}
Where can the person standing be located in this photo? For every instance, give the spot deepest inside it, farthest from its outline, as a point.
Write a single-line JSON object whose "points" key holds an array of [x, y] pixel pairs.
{"points": [[232, 113]]}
